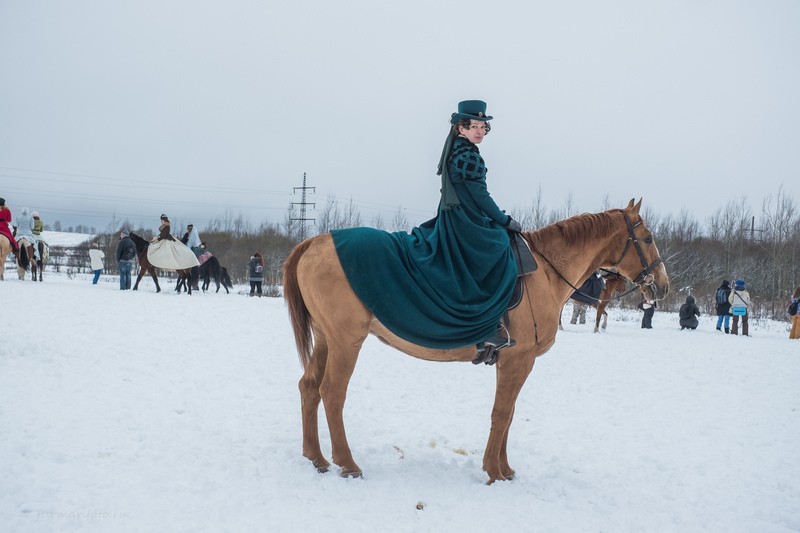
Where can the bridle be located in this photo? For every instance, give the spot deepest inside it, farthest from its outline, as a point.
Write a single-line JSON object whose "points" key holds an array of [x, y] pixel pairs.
{"points": [[645, 277]]}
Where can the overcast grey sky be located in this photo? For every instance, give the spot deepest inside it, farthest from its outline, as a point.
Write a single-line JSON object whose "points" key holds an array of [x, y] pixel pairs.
{"points": [[128, 109]]}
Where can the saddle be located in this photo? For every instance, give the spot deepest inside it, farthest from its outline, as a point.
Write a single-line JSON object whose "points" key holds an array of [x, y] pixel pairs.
{"points": [[526, 264], [489, 349]]}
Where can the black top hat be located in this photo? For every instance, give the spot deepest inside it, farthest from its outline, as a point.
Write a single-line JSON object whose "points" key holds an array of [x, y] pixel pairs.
{"points": [[470, 110]]}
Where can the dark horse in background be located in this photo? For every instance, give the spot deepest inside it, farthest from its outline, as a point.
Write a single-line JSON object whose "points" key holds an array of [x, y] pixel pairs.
{"points": [[146, 267], [211, 269]]}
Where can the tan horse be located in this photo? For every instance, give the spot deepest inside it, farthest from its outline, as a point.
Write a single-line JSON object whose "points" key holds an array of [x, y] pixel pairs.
{"points": [[330, 323], [5, 249]]}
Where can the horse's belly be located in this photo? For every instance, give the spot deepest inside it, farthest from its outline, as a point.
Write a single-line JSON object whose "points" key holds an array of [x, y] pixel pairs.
{"points": [[429, 354]]}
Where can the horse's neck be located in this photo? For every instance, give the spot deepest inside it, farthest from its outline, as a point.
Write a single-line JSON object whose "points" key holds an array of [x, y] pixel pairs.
{"points": [[577, 259]]}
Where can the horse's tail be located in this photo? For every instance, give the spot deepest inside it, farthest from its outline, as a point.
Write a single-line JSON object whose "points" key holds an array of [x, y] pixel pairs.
{"points": [[298, 312], [226, 278], [24, 260]]}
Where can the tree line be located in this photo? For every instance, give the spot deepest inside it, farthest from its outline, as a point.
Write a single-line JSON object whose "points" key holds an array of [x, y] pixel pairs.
{"points": [[762, 248]]}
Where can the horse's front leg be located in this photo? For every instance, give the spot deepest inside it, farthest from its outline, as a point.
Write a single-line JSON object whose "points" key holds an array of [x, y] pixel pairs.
{"points": [[138, 279], [512, 371], [155, 279]]}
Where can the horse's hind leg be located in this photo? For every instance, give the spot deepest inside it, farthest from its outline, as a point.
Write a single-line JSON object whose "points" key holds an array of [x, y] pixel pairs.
{"points": [[309, 404]]}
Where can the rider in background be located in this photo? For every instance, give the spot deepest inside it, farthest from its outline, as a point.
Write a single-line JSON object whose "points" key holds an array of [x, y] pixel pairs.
{"points": [[25, 230], [38, 228], [5, 225]]}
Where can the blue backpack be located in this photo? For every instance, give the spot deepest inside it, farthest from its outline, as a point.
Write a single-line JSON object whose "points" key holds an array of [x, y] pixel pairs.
{"points": [[722, 298]]}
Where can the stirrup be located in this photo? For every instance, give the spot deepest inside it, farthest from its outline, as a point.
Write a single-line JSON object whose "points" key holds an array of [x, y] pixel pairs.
{"points": [[489, 349]]}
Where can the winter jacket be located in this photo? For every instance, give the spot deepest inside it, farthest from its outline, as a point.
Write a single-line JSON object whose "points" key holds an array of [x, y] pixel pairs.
{"points": [[739, 298], [688, 314], [96, 256], [25, 226], [723, 308], [126, 250], [256, 269]]}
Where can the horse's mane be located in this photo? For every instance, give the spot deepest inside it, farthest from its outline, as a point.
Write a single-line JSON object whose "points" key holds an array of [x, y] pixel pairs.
{"points": [[140, 242], [578, 230]]}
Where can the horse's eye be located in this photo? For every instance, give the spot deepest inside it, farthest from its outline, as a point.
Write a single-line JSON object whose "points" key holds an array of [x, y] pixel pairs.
{"points": [[648, 239]]}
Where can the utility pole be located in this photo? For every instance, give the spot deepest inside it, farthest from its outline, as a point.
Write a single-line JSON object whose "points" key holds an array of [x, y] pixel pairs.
{"points": [[302, 203]]}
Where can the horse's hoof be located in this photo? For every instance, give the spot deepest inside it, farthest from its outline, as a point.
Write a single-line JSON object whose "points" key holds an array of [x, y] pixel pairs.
{"points": [[350, 473], [321, 465]]}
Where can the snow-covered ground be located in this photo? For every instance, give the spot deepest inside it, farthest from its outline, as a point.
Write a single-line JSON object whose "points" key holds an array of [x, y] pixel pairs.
{"points": [[145, 412]]}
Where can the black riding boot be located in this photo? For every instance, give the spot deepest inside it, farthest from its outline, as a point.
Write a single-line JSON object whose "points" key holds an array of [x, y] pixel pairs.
{"points": [[489, 349]]}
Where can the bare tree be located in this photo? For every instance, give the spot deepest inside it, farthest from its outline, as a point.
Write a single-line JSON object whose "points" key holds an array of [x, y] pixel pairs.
{"points": [[399, 221], [329, 215]]}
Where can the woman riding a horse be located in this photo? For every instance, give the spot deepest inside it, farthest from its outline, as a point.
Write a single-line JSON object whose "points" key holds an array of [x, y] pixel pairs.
{"points": [[461, 261], [167, 252], [5, 225]]}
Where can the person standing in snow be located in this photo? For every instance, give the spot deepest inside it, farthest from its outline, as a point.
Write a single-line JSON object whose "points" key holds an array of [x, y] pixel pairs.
{"points": [[649, 308], [723, 306], [96, 257], [256, 270], [794, 333], [126, 253], [740, 307]]}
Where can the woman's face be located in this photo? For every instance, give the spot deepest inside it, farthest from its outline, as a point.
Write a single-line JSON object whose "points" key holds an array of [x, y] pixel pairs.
{"points": [[476, 131]]}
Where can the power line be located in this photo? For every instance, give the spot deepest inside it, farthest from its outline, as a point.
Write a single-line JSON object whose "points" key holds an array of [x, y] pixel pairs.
{"points": [[303, 205]]}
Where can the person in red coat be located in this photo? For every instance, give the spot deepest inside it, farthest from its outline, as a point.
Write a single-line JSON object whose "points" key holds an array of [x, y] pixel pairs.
{"points": [[5, 225]]}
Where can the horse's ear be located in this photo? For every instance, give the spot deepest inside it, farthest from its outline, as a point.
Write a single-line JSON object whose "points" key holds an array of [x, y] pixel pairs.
{"points": [[630, 204], [637, 206], [634, 208]]}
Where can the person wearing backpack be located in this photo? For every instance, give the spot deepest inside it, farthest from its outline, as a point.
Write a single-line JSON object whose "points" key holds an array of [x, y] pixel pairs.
{"points": [[794, 333], [688, 314], [740, 306], [723, 306]]}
